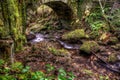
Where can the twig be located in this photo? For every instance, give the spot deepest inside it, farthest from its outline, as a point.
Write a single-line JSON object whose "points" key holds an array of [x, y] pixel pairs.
{"points": [[101, 7]]}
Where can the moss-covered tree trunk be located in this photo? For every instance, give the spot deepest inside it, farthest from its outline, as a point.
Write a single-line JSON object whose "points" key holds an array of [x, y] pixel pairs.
{"points": [[15, 23], [4, 17], [22, 8]]}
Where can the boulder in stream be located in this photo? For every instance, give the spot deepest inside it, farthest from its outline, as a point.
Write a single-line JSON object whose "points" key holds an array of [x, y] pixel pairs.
{"points": [[30, 36], [89, 46], [75, 35]]}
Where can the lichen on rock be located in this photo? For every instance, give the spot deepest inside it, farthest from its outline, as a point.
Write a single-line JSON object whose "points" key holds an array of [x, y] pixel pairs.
{"points": [[89, 46]]}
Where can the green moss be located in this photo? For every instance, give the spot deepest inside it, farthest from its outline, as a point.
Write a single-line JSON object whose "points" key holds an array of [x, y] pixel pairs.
{"points": [[4, 32], [58, 52], [75, 35], [89, 46], [15, 24], [112, 57]]}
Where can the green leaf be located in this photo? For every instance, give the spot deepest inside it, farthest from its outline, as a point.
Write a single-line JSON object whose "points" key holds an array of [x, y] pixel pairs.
{"points": [[2, 62], [49, 67], [17, 66], [26, 69], [62, 75]]}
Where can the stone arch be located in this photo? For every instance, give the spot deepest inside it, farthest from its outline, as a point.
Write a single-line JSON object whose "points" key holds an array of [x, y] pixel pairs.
{"points": [[62, 9]]}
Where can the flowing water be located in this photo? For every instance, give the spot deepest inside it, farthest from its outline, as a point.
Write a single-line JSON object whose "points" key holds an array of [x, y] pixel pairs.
{"points": [[39, 37], [69, 46]]}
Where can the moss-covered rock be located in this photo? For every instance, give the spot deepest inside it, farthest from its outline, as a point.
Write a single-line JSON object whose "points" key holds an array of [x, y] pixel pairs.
{"points": [[59, 52], [89, 46], [112, 57], [75, 35]]}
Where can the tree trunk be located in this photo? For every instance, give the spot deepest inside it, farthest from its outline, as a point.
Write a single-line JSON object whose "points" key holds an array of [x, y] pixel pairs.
{"points": [[15, 23], [5, 15], [23, 14]]}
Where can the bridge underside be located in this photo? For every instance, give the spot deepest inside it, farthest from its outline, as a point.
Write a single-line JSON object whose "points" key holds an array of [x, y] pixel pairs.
{"points": [[62, 9]]}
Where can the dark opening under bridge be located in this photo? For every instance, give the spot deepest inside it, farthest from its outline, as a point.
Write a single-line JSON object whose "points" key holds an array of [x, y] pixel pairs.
{"points": [[60, 7]]}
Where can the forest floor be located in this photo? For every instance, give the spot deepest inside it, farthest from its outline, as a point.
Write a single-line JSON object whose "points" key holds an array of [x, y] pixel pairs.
{"points": [[104, 66], [50, 51], [85, 67]]}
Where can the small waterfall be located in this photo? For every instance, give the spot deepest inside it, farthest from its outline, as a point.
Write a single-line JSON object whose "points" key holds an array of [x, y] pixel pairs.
{"points": [[39, 37]]}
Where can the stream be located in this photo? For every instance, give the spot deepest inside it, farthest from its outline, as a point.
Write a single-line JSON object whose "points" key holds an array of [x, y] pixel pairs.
{"points": [[40, 37], [115, 67]]}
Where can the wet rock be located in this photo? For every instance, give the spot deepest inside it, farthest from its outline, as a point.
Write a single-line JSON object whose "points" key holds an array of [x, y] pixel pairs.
{"points": [[89, 46], [75, 35], [39, 37], [30, 37]]}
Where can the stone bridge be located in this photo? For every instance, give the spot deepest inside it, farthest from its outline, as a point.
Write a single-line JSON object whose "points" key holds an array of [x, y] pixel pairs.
{"points": [[60, 7]]}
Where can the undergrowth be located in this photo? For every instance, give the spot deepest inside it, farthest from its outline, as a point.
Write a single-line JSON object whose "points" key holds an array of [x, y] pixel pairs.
{"points": [[17, 71], [98, 23]]}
